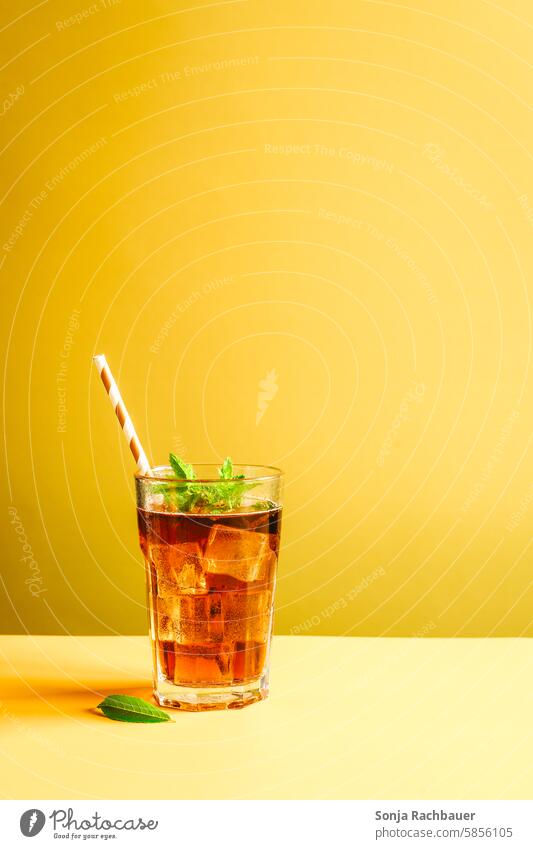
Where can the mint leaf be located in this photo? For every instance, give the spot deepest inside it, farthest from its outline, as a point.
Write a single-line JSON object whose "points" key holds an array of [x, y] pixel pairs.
{"points": [[261, 505], [180, 468], [186, 495], [232, 491], [226, 470], [132, 709]]}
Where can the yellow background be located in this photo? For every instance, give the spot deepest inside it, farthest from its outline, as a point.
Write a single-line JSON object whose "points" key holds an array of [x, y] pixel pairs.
{"points": [[301, 233]]}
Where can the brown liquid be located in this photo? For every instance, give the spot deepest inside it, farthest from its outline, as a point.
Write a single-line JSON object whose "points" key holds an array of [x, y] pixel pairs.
{"points": [[211, 584]]}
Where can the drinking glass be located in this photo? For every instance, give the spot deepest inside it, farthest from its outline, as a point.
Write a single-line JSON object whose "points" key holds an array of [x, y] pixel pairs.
{"points": [[211, 574]]}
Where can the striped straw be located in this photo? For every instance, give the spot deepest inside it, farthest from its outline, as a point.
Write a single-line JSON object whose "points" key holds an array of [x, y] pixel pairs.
{"points": [[122, 414]]}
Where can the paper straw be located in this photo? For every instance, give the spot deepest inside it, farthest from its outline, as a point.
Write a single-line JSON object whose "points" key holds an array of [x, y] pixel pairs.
{"points": [[122, 414]]}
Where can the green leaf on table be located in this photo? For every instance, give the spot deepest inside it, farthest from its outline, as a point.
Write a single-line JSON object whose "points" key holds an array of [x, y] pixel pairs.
{"points": [[132, 709]]}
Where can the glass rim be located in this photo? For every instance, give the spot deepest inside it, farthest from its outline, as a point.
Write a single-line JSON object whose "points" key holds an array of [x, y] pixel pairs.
{"points": [[273, 473]]}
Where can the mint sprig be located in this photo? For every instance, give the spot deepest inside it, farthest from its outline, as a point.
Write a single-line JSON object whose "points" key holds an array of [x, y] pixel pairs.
{"points": [[226, 471], [185, 495], [180, 468]]}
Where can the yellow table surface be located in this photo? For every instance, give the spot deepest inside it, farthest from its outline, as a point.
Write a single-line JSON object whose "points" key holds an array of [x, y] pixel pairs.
{"points": [[347, 718]]}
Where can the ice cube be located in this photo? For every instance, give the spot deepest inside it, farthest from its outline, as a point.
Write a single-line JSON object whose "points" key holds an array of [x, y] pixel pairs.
{"points": [[165, 626], [244, 555], [247, 616], [179, 568], [191, 618], [203, 664]]}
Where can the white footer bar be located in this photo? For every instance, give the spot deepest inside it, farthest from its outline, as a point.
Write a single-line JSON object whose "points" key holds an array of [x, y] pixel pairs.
{"points": [[268, 824]]}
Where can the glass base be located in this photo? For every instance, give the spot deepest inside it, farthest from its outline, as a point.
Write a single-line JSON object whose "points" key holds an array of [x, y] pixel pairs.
{"points": [[170, 695]]}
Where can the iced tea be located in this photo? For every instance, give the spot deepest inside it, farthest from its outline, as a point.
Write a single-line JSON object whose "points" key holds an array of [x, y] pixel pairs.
{"points": [[211, 580]]}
